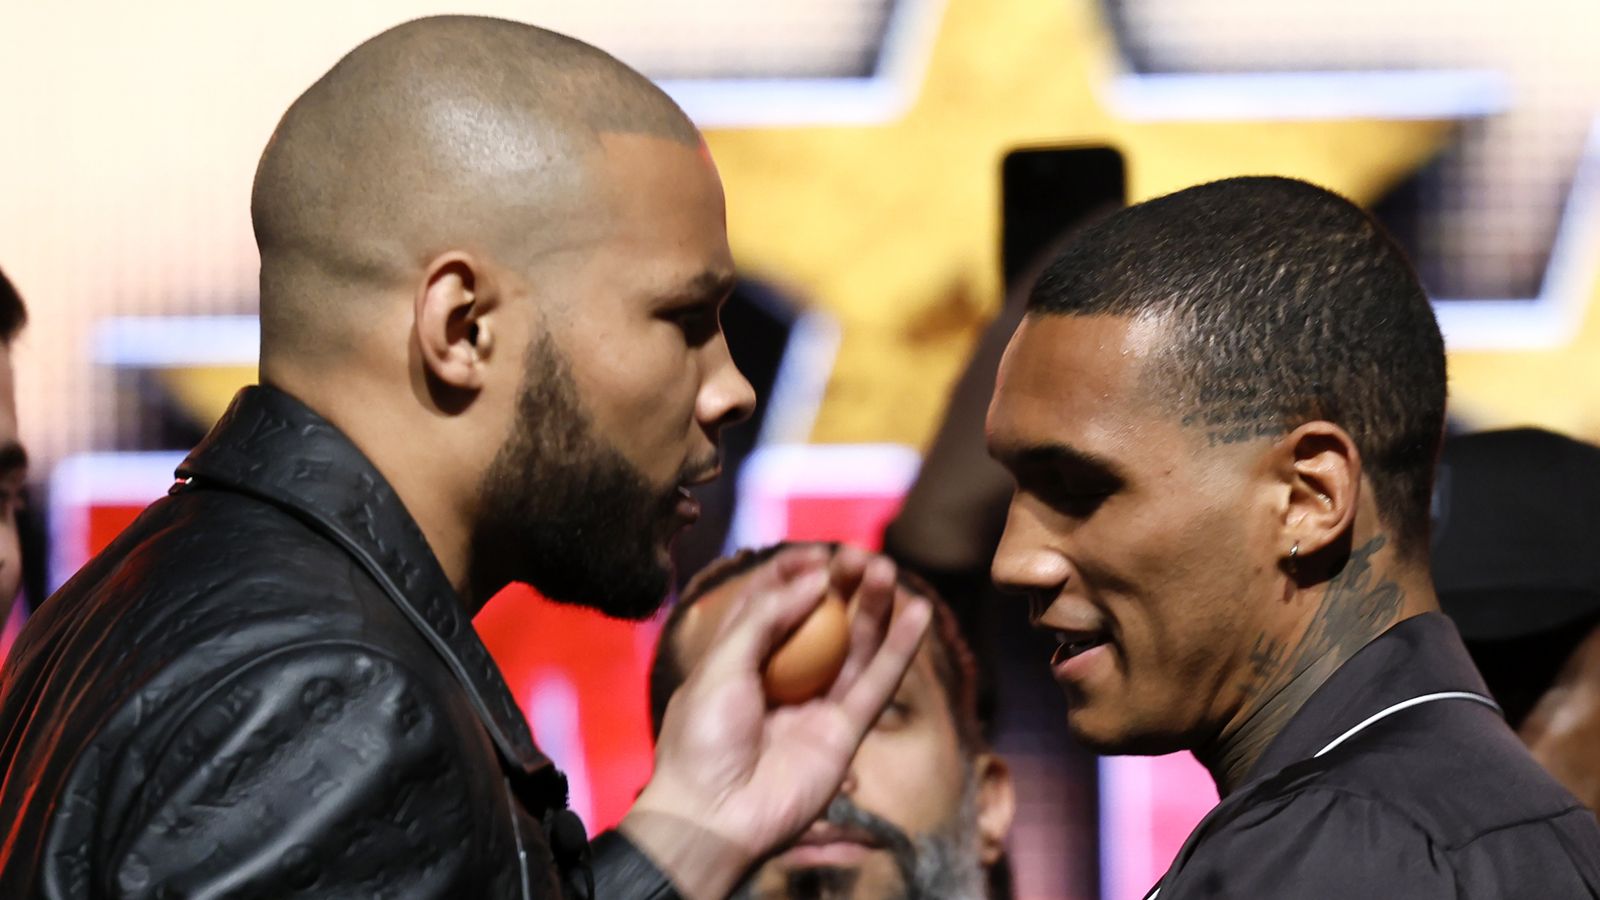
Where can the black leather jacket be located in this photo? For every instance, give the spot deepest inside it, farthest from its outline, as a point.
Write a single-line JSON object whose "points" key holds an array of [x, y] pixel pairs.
{"points": [[266, 687]]}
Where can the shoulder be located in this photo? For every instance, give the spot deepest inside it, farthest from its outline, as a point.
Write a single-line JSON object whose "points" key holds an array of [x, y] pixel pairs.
{"points": [[213, 576], [1312, 841], [203, 584], [1454, 768], [371, 766], [1436, 805]]}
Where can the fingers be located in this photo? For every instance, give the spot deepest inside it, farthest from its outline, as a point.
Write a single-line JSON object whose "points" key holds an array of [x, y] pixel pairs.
{"points": [[872, 606], [771, 576], [787, 566], [865, 698], [848, 566], [795, 561]]}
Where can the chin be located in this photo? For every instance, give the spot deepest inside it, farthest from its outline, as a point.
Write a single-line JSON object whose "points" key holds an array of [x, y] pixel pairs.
{"points": [[1109, 736]]}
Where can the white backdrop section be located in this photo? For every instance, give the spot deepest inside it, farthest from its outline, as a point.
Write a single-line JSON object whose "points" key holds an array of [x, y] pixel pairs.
{"points": [[132, 133]]}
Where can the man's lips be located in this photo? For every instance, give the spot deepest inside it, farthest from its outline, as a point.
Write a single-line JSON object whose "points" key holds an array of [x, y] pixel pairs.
{"points": [[1077, 627], [830, 845], [1072, 642], [684, 502], [704, 476], [687, 507], [824, 833]]}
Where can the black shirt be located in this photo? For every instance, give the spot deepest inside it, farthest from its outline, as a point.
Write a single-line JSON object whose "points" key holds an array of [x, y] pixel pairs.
{"points": [[1437, 799]]}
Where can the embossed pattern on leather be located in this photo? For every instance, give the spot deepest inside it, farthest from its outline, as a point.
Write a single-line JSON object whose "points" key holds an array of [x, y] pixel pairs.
{"points": [[264, 688]]}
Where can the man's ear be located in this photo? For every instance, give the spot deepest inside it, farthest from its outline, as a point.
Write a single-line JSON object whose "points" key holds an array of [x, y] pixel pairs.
{"points": [[452, 315], [997, 806], [1321, 471]]}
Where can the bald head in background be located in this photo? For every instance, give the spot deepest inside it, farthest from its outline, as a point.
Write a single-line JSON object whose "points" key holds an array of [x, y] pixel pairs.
{"points": [[461, 226]]}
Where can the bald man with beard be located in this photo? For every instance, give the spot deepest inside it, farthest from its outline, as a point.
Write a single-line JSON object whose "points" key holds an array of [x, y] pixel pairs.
{"points": [[492, 260]]}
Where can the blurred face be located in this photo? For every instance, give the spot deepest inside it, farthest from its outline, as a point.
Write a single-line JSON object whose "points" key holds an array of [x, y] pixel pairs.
{"points": [[13, 478], [917, 815], [1144, 550], [629, 384]]}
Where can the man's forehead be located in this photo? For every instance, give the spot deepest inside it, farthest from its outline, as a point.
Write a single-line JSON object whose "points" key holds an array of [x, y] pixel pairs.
{"points": [[1067, 374], [658, 215]]}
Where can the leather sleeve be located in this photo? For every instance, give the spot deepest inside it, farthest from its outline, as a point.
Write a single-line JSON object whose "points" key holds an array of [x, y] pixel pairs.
{"points": [[623, 872], [329, 770]]}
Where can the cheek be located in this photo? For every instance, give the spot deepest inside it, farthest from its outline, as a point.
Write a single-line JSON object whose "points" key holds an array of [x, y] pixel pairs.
{"points": [[642, 399], [912, 777], [1188, 577]]}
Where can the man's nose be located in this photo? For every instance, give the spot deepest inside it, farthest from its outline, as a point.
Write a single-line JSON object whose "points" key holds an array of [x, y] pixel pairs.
{"points": [[726, 396], [1027, 561]]}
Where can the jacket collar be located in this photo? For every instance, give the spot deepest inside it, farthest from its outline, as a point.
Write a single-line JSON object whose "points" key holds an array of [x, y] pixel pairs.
{"points": [[1420, 655], [274, 447]]}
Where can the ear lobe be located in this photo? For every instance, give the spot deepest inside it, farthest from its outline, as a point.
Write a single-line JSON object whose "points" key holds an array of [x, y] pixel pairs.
{"points": [[1323, 469], [450, 319], [997, 805]]}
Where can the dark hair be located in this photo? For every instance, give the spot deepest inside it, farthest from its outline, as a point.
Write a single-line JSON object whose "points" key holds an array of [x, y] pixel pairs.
{"points": [[1287, 303], [953, 662], [13, 315]]}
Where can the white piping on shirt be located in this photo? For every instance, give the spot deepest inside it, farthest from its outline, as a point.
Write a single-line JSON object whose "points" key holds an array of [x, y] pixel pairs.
{"points": [[1373, 719], [1407, 704]]}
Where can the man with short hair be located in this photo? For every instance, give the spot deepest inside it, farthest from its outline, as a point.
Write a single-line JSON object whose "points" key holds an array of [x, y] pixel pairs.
{"points": [[926, 806], [492, 261], [1222, 411], [13, 458]]}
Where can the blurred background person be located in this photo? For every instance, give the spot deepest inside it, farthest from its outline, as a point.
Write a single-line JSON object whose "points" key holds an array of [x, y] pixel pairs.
{"points": [[1517, 564], [13, 458], [926, 806]]}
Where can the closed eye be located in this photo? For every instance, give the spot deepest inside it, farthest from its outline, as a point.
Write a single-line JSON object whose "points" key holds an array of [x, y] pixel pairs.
{"points": [[895, 715]]}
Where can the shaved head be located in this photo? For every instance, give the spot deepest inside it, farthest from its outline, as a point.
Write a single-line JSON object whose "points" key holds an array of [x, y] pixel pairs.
{"points": [[452, 132], [511, 249]]}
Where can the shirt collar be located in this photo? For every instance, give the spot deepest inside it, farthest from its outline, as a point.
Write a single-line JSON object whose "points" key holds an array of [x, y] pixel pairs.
{"points": [[274, 447], [1417, 656]]}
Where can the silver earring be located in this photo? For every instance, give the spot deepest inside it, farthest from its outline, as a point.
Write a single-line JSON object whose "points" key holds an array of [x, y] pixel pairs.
{"points": [[1294, 554]]}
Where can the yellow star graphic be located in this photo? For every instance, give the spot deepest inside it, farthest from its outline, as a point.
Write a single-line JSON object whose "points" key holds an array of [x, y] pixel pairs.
{"points": [[894, 228], [1554, 387]]}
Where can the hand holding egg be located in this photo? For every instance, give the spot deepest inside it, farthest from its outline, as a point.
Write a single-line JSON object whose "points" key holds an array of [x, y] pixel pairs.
{"points": [[808, 661]]}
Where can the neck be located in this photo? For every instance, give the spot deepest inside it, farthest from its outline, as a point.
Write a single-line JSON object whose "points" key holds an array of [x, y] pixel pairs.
{"points": [[1371, 591], [410, 467], [446, 535]]}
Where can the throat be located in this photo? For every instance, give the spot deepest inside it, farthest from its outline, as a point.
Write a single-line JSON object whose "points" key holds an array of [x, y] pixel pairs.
{"points": [[1233, 755]]}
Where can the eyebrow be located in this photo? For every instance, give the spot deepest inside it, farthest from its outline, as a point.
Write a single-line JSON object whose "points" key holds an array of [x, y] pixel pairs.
{"points": [[1056, 456], [707, 286]]}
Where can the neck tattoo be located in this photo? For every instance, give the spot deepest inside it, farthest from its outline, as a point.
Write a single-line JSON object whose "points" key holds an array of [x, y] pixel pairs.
{"points": [[1357, 605]]}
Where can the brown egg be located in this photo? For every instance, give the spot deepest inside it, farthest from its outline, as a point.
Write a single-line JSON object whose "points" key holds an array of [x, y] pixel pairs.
{"points": [[806, 664]]}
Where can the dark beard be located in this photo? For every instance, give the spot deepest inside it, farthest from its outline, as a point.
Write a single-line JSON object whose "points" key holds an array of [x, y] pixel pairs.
{"points": [[564, 511]]}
